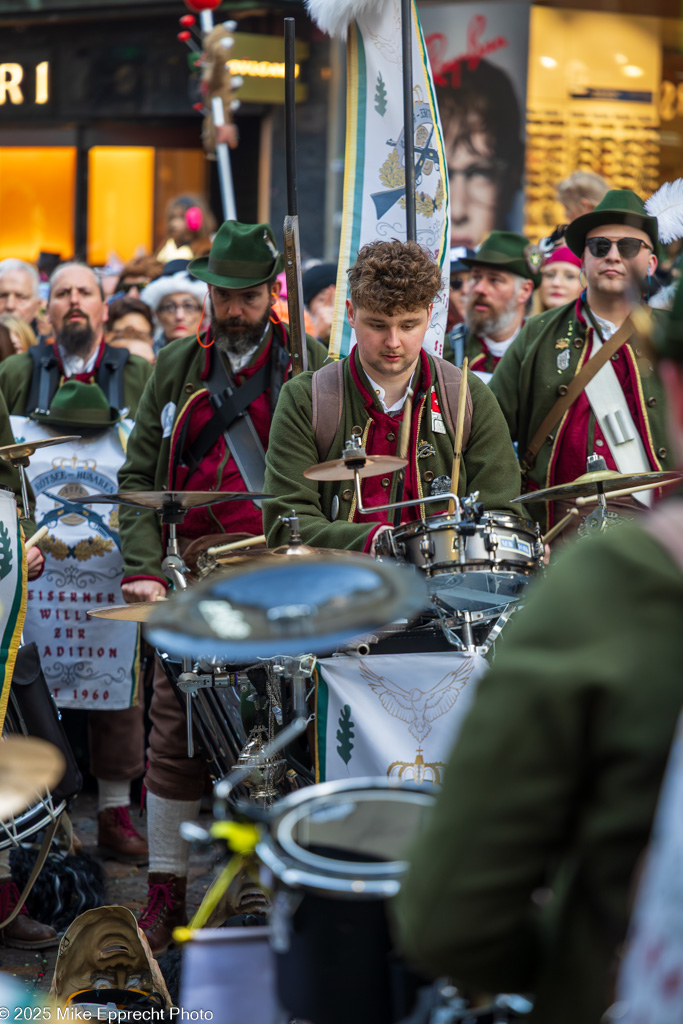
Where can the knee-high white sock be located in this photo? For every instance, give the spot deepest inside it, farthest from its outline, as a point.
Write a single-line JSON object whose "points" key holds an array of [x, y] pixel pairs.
{"points": [[112, 794], [168, 851]]}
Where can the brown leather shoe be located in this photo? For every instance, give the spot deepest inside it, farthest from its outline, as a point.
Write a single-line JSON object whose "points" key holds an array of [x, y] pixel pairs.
{"points": [[23, 932], [165, 909], [117, 838]]}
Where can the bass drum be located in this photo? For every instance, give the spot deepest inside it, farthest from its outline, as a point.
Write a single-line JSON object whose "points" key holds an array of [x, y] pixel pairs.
{"points": [[337, 852]]}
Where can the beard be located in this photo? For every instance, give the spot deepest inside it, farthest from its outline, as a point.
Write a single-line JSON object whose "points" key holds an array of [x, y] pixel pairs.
{"points": [[76, 338], [490, 322], [236, 336]]}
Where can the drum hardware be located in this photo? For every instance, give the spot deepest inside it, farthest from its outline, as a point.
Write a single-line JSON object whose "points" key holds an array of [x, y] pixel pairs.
{"points": [[29, 769], [224, 554], [603, 482], [140, 611], [19, 456], [354, 459]]}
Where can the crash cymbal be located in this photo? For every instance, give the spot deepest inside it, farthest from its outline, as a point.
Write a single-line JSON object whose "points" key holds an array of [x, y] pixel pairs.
{"points": [[29, 767], [25, 449], [588, 484], [139, 611], [162, 501], [339, 469], [286, 606]]}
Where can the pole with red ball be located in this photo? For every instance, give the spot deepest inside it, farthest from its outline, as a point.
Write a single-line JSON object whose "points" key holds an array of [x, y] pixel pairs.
{"points": [[205, 9]]}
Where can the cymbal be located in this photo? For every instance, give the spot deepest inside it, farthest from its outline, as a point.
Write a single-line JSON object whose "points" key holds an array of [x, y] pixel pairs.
{"points": [[25, 449], [139, 611], [162, 501], [339, 469], [587, 484], [28, 767], [276, 606]]}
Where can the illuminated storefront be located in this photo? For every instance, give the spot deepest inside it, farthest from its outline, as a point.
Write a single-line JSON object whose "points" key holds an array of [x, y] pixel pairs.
{"points": [[98, 131]]}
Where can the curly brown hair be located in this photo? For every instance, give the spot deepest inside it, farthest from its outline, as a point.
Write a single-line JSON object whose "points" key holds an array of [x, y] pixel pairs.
{"points": [[394, 276]]}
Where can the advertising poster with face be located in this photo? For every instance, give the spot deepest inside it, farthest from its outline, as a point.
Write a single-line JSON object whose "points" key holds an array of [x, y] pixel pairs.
{"points": [[478, 55]]}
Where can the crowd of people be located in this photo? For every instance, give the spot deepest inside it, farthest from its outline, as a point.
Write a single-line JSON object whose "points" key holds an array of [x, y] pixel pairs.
{"points": [[183, 368]]}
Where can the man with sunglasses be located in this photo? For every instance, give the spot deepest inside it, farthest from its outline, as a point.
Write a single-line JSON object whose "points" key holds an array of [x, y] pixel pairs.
{"points": [[203, 424], [616, 408]]}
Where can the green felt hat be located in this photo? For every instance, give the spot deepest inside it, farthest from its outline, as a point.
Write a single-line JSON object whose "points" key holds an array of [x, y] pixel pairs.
{"points": [[620, 206], [78, 404], [241, 256], [508, 251]]}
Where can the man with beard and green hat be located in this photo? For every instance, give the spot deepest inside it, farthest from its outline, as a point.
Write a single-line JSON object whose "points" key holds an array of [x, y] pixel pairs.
{"points": [[616, 408], [503, 275], [182, 442], [523, 880], [42, 384]]}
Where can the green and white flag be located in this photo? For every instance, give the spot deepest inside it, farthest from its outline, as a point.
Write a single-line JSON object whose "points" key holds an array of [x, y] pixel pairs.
{"points": [[12, 594], [374, 165], [392, 714]]}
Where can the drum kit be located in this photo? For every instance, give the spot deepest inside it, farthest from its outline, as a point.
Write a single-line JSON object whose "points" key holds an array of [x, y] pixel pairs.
{"points": [[247, 637]]}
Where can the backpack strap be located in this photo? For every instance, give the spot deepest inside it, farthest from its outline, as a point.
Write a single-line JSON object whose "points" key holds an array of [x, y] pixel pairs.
{"points": [[110, 375], [448, 377], [328, 400], [44, 378]]}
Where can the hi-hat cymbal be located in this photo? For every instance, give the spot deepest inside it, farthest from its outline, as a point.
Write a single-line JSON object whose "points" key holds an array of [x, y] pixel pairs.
{"points": [[339, 469], [29, 767], [25, 449], [139, 611], [592, 483], [286, 606], [163, 501]]}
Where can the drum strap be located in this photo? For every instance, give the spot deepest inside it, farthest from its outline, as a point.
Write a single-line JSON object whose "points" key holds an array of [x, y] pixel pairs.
{"points": [[46, 374], [327, 395], [37, 868], [586, 374]]}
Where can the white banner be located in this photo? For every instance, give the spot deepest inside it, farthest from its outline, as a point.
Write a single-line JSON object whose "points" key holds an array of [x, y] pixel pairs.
{"points": [[392, 714], [88, 663], [374, 168]]}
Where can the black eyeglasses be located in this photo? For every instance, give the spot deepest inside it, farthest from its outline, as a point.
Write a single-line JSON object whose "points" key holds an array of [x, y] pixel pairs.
{"points": [[627, 248], [173, 307]]}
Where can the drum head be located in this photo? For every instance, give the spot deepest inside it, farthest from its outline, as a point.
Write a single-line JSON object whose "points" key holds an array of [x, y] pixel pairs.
{"points": [[478, 590]]}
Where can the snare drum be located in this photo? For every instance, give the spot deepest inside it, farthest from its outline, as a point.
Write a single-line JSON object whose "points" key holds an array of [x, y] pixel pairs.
{"points": [[497, 542], [336, 851]]}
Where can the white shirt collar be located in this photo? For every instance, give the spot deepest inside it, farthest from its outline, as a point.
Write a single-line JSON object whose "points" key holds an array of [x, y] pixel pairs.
{"points": [[607, 328], [380, 392], [499, 348], [76, 364]]}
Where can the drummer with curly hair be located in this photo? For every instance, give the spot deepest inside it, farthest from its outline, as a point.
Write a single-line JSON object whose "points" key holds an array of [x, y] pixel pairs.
{"points": [[392, 288]]}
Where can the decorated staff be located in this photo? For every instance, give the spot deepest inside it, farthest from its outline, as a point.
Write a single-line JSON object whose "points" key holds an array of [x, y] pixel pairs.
{"points": [[295, 298], [382, 177]]}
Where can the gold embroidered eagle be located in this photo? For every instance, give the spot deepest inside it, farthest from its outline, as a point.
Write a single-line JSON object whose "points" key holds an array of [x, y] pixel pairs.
{"points": [[418, 707]]}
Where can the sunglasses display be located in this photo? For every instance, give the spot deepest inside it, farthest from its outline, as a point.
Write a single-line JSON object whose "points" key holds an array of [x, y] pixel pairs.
{"points": [[628, 248]]}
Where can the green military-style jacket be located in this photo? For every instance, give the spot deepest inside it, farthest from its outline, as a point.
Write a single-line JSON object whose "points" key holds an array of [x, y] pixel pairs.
{"points": [[542, 360], [553, 782], [176, 385], [16, 373], [9, 476], [488, 465]]}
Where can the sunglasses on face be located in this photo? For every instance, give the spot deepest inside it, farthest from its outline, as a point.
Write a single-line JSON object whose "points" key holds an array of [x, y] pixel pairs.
{"points": [[627, 248], [456, 284]]}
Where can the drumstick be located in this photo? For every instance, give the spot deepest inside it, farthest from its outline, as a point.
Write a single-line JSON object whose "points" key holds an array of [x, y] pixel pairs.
{"points": [[403, 442], [221, 549], [459, 427], [36, 538], [559, 527]]}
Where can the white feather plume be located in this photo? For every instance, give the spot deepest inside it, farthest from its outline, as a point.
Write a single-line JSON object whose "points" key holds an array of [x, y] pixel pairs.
{"points": [[335, 16], [666, 204]]}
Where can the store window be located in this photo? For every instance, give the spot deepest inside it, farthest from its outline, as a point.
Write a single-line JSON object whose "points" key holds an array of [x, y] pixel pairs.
{"points": [[120, 202], [37, 188]]}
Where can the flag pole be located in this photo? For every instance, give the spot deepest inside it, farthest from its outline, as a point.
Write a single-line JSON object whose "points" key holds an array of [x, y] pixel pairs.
{"points": [[292, 248], [408, 118]]}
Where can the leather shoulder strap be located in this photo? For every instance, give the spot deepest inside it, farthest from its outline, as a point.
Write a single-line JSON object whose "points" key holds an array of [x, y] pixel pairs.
{"points": [[44, 377], [328, 401], [449, 377], [565, 401], [110, 374]]}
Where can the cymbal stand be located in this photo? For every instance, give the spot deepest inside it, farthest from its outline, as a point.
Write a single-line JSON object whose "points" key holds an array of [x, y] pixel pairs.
{"points": [[174, 567], [601, 517], [21, 462]]}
